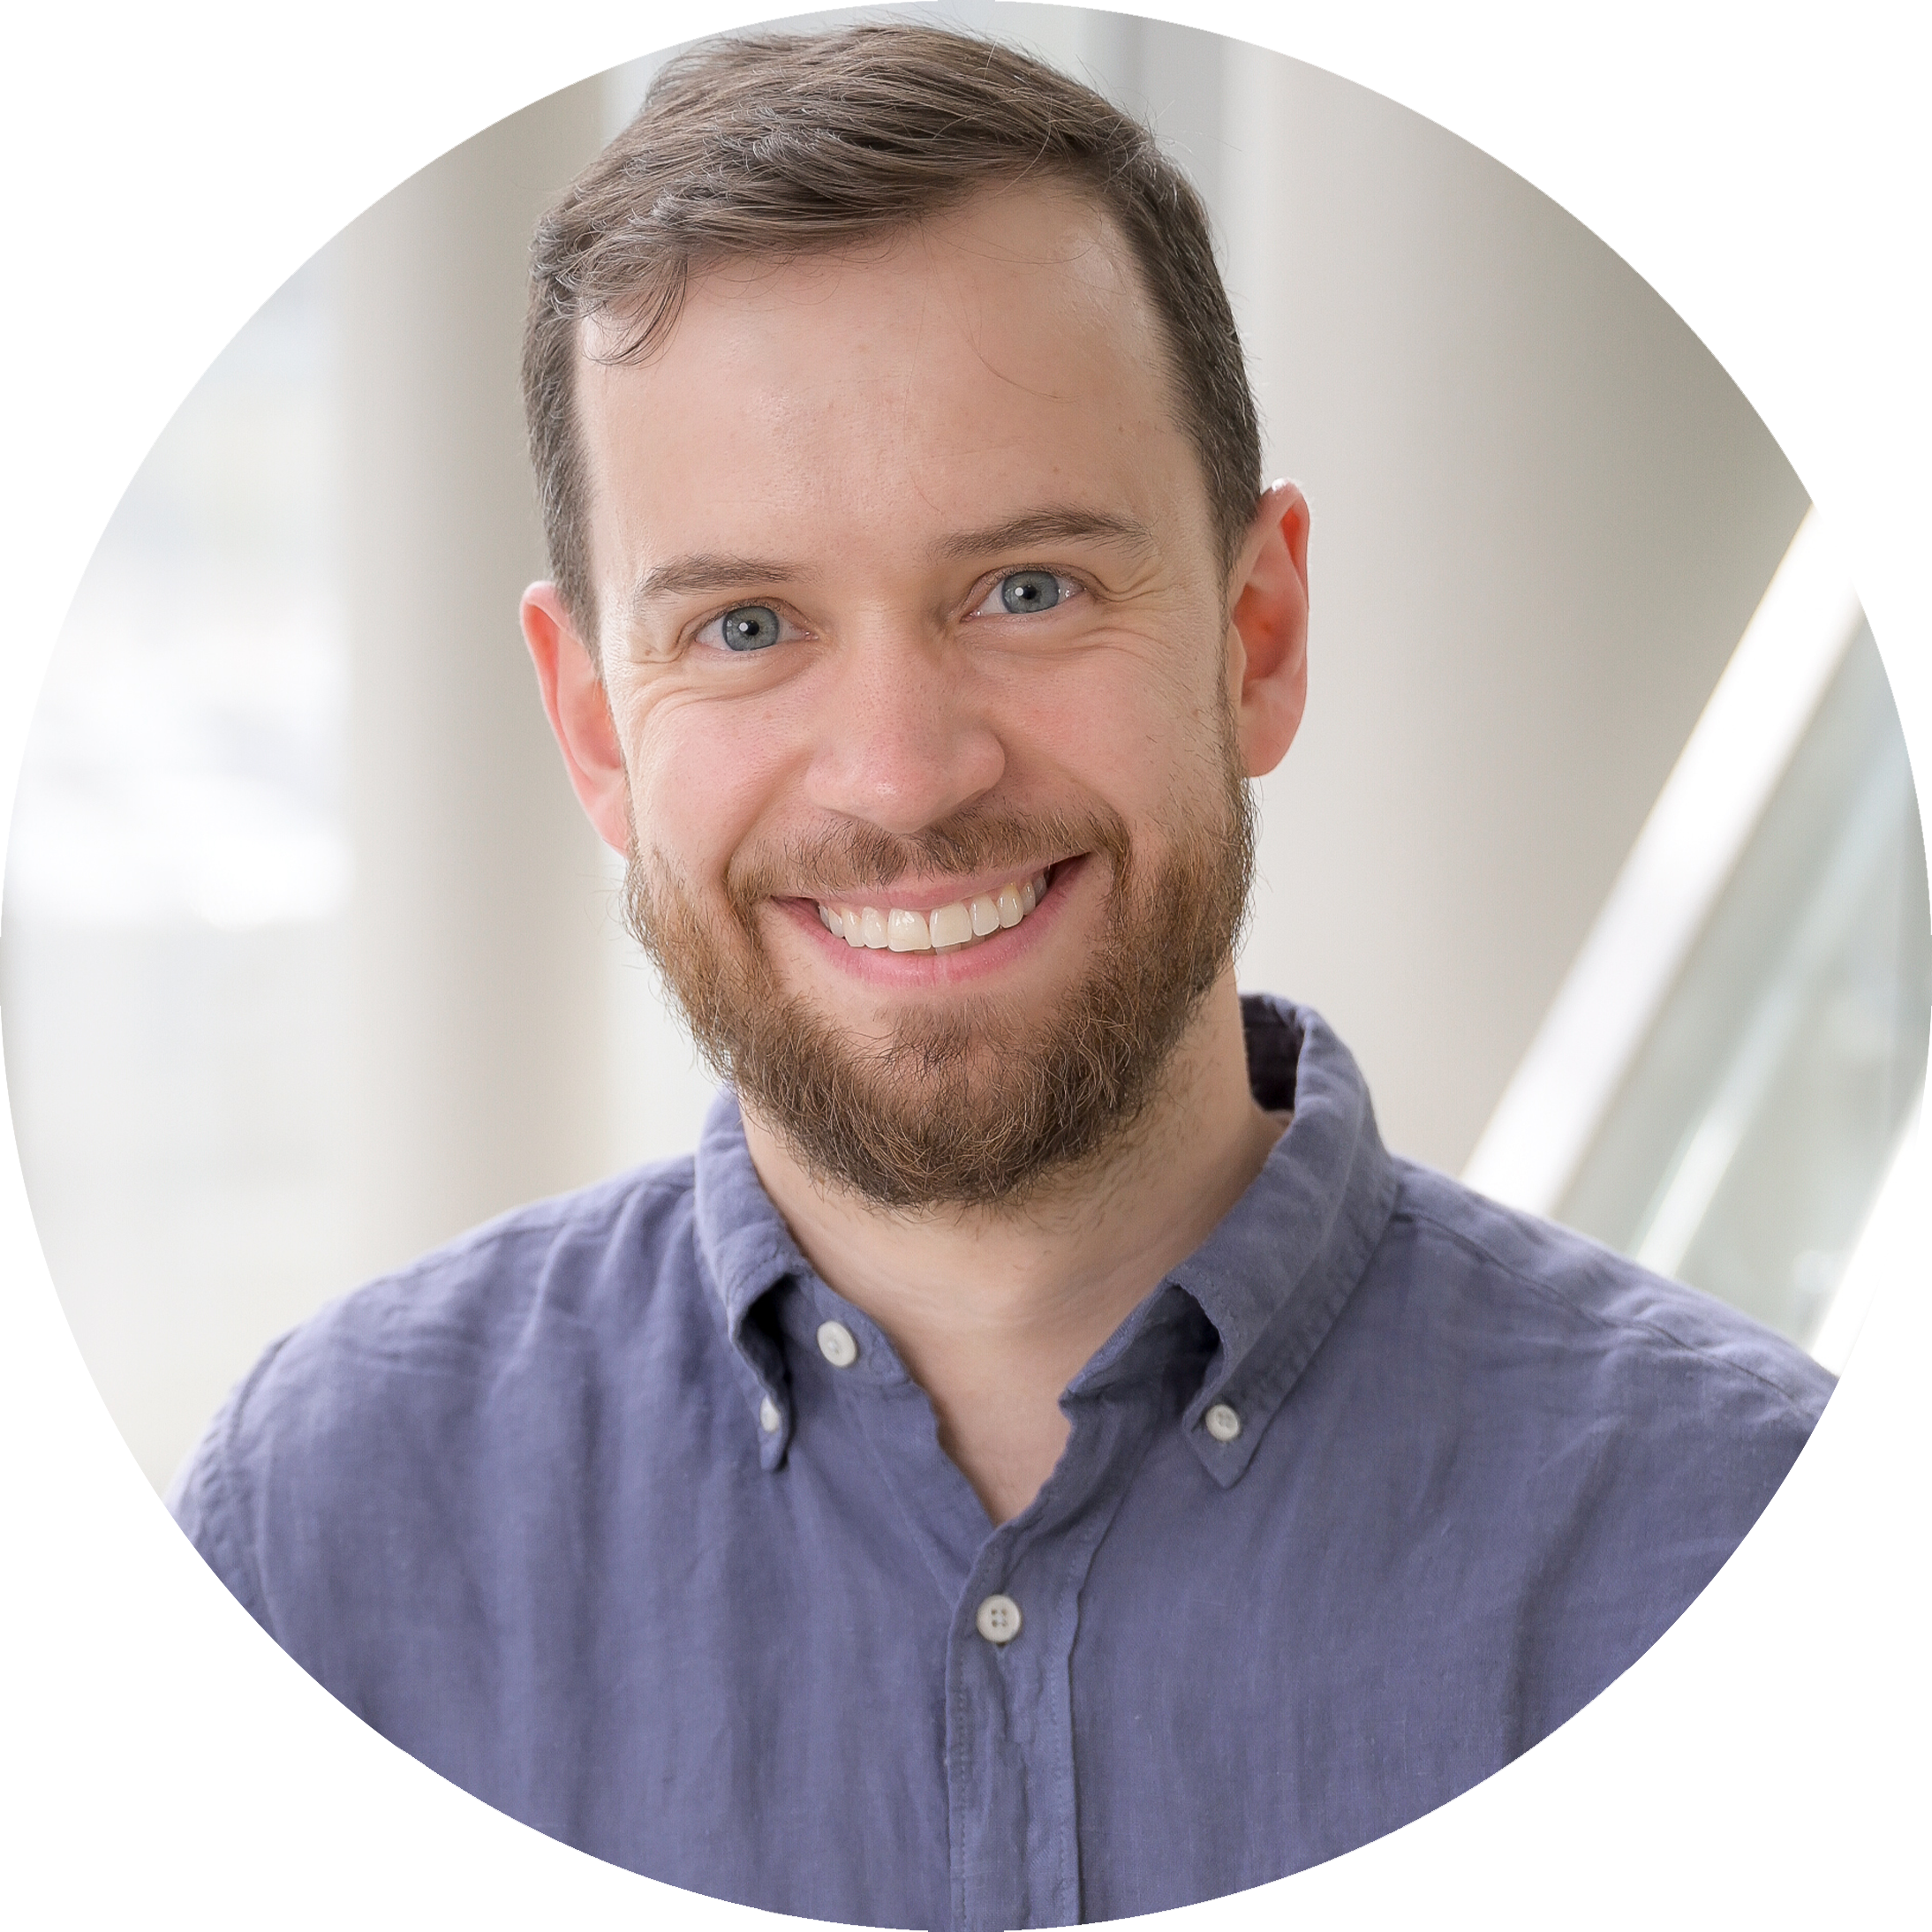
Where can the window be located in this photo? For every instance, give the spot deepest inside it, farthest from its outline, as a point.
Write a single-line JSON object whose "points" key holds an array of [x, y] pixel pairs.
{"points": [[176, 892]]}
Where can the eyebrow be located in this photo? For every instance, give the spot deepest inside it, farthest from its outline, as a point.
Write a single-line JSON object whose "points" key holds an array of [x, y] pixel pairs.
{"points": [[686, 576]]}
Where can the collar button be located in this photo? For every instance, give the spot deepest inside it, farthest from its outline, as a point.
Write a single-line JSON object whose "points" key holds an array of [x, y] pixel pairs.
{"points": [[836, 1345], [1223, 1423]]}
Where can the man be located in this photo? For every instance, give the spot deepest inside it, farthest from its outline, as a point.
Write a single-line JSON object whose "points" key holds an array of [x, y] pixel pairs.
{"points": [[1042, 1460]]}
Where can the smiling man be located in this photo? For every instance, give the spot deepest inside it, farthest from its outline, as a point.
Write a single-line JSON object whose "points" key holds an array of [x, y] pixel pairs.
{"points": [[1043, 1460]]}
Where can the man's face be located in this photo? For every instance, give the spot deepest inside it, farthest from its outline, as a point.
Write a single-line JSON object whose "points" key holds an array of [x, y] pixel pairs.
{"points": [[914, 631]]}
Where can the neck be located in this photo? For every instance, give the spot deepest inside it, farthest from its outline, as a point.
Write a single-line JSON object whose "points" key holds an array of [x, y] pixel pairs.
{"points": [[994, 1311]]}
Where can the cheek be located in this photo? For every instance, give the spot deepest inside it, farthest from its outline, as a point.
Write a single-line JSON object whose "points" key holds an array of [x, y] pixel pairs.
{"points": [[704, 773], [1136, 720]]}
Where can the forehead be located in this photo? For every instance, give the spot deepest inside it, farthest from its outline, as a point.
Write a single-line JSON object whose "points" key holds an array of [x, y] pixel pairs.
{"points": [[1000, 357]]}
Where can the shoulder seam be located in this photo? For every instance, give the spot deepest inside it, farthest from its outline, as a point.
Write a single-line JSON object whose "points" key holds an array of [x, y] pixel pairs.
{"points": [[1406, 1210], [541, 1220]]}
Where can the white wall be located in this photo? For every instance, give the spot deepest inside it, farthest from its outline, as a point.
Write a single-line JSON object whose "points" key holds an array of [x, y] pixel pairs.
{"points": [[1543, 518], [476, 1030]]}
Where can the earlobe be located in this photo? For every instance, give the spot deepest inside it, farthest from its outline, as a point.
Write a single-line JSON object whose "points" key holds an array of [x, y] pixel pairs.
{"points": [[578, 708], [1267, 636]]}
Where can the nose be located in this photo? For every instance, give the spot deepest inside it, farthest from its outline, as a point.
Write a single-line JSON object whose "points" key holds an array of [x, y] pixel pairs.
{"points": [[899, 740]]}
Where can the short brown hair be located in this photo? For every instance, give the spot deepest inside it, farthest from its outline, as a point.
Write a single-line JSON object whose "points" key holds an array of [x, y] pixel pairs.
{"points": [[782, 144]]}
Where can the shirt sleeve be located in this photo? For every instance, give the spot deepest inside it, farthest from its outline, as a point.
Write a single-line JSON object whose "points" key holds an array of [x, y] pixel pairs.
{"points": [[206, 1816], [1854, 1728]]}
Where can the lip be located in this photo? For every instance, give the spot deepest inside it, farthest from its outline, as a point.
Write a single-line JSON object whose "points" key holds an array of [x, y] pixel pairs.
{"points": [[926, 896], [910, 972]]}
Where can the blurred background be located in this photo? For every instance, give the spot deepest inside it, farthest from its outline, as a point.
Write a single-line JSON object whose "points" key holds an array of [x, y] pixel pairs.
{"points": [[1599, 844]]}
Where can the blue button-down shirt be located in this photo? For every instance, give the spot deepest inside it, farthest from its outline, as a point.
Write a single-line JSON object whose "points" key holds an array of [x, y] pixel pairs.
{"points": [[577, 1512]]}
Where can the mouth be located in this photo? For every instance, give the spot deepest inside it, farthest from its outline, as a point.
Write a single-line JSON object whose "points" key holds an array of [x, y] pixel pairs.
{"points": [[956, 927]]}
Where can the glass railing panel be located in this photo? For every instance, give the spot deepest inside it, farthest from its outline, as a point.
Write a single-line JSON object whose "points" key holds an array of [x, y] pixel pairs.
{"points": [[1760, 1112]]}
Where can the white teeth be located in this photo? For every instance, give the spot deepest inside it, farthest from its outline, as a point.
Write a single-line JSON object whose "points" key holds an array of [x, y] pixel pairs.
{"points": [[945, 929], [952, 926], [906, 932]]}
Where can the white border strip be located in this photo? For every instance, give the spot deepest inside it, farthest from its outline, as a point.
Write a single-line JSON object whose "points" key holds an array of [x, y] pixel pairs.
{"points": [[1690, 845], [66, 1616]]}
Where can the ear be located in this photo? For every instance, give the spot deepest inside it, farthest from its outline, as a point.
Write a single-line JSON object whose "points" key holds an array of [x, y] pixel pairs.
{"points": [[1267, 631], [580, 713]]}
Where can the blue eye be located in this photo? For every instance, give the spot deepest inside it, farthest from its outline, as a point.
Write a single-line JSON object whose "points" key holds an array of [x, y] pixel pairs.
{"points": [[1025, 591], [751, 627]]}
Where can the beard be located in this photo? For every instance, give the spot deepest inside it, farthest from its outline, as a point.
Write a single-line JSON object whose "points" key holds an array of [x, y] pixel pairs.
{"points": [[977, 1105]]}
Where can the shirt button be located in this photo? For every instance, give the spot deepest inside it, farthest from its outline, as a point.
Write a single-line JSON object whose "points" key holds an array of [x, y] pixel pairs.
{"points": [[768, 1418], [1222, 1423], [998, 1619], [836, 1345]]}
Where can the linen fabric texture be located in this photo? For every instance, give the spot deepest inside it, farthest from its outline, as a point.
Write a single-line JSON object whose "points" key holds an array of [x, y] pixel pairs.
{"points": [[516, 1507]]}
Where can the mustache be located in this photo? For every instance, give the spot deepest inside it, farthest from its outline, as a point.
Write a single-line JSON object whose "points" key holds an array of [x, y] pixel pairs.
{"points": [[856, 856]]}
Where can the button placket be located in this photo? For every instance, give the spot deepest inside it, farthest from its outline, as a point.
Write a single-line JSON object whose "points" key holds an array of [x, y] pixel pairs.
{"points": [[1010, 1712]]}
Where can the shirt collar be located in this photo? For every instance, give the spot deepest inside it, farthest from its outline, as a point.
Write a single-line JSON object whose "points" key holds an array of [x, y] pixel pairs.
{"points": [[1275, 1273], [746, 1250], [1271, 1279]]}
